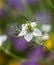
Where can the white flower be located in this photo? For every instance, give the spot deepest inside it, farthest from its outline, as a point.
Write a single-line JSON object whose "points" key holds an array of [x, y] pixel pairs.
{"points": [[2, 39], [45, 36], [46, 27], [29, 30]]}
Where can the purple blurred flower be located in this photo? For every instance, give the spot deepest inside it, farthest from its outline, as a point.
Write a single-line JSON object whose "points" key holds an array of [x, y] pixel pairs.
{"points": [[2, 11], [16, 4], [29, 63], [36, 53], [43, 17], [31, 1], [19, 44]]}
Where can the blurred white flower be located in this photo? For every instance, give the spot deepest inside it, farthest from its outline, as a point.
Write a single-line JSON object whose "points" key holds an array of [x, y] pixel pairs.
{"points": [[29, 30], [46, 27], [2, 39], [45, 36]]}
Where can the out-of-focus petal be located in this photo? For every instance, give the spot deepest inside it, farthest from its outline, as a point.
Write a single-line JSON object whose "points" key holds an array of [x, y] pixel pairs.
{"points": [[36, 53], [45, 36], [33, 24], [37, 32], [46, 27], [19, 44], [29, 63]]}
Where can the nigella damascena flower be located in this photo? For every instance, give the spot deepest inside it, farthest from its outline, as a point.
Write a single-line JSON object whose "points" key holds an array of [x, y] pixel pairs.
{"points": [[46, 28], [29, 63], [29, 2], [20, 44], [44, 17], [15, 4], [36, 53], [29, 30]]}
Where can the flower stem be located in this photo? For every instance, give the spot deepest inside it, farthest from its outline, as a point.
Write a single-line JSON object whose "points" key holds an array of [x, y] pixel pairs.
{"points": [[12, 55]]}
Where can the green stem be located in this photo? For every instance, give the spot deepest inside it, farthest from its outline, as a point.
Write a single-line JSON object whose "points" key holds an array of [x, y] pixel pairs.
{"points": [[12, 55]]}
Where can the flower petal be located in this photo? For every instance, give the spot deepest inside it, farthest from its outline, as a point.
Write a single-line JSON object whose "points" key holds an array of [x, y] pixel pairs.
{"points": [[28, 37], [33, 24], [37, 32], [45, 37], [24, 26], [23, 32], [46, 27], [2, 39]]}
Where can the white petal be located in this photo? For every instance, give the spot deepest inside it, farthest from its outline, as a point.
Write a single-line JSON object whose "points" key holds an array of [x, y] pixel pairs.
{"points": [[37, 32], [1, 43], [2, 39], [28, 37], [46, 28], [33, 24], [23, 32], [45, 37], [24, 26]]}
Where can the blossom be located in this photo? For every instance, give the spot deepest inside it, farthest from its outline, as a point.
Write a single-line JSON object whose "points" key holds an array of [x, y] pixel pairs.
{"points": [[15, 4], [19, 44], [36, 53], [45, 36], [29, 30], [29, 2], [43, 17], [46, 27], [29, 63], [48, 44], [3, 38]]}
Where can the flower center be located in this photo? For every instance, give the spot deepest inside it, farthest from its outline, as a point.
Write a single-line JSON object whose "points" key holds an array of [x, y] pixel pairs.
{"points": [[29, 28]]}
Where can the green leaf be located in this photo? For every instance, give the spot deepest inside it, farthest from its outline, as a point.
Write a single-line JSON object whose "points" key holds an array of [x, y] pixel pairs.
{"points": [[27, 13]]}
